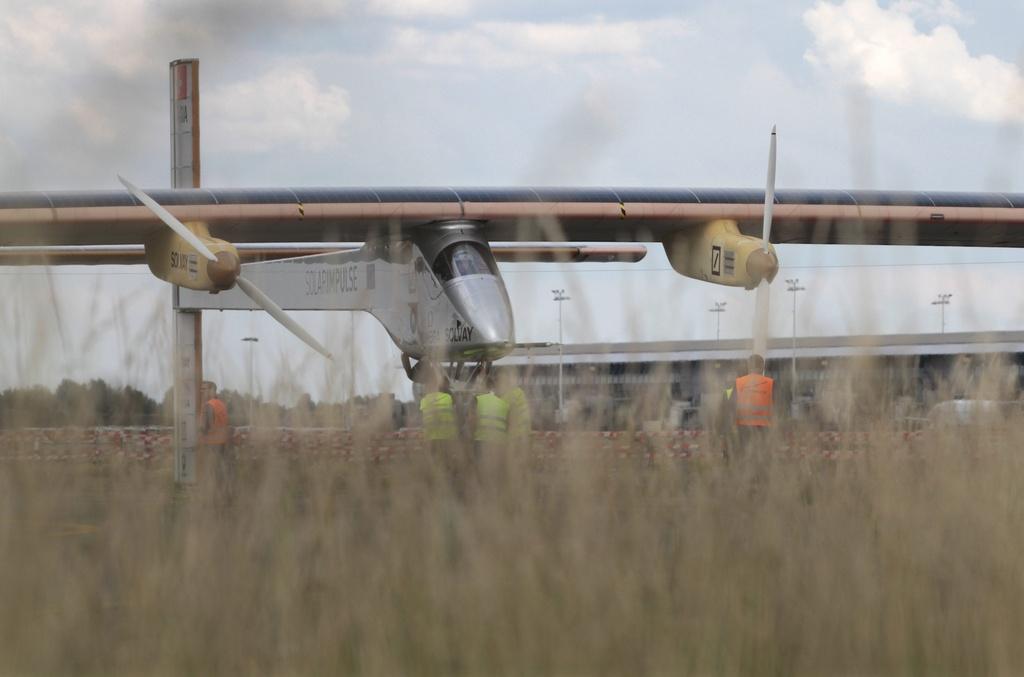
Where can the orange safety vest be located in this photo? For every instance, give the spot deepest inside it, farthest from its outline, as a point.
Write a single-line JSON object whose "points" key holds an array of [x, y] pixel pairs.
{"points": [[219, 432], [754, 400]]}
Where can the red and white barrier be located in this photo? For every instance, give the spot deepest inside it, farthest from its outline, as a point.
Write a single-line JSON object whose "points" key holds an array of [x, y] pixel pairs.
{"points": [[145, 443]]}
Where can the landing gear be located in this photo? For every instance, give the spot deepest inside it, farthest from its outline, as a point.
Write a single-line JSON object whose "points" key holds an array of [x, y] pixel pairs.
{"points": [[420, 372], [461, 376]]}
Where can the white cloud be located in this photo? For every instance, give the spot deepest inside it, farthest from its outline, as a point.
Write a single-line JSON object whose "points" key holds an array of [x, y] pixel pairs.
{"points": [[316, 9], [72, 36], [883, 50], [117, 40], [936, 11], [97, 127], [130, 37], [286, 107], [12, 163], [37, 36], [408, 9], [513, 44]]}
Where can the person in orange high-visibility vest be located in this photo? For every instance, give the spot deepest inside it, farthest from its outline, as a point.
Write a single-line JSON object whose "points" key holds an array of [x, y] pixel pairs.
{"points": [[215, 438], [754, 404], [214, 427]]}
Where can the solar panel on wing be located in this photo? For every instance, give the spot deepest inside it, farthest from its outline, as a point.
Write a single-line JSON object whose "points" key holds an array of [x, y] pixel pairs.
{"points": [[891, 198], [951, 199], [557, 194], [106, 198], [729, 195], [496, 194], [339, 195], [24, 200], [90, 198], [186, 196], [252, 196], [415, 195], [657, 195], [813, 197]]}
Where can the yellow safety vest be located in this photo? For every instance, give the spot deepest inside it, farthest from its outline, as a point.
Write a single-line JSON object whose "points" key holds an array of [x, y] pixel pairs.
{"points": [[491, 418], [438, 416], [519, 423]]}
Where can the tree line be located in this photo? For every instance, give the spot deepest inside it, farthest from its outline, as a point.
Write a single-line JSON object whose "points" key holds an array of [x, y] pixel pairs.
{"points": [[97, 403]]}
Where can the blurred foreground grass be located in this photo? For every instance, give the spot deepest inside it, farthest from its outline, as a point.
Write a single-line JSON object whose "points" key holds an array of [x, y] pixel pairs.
{"points": [[888, 563]]}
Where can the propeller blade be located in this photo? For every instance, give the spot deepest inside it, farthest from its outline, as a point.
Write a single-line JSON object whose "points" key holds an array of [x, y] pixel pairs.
{"points": [[177, 226], [761, 312], [265, 302], [769, 194], [763, 299]]}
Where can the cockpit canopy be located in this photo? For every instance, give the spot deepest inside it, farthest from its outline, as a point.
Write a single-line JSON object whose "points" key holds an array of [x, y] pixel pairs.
{"points": [[464, 258]]}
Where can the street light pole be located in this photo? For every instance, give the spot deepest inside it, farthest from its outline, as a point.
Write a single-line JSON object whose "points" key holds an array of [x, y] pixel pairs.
{"points": [[794, 286], [559, 298], [718, 310], [352, 370], [252, 341], [942, 302]]}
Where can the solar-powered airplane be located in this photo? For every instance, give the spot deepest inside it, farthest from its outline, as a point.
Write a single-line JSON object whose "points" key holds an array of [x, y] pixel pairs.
{"points": [[427, 269], [426, 266]]}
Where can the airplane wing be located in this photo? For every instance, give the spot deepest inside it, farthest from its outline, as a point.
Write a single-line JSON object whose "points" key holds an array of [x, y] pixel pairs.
{"points": [[251, 252], [113, 217]]}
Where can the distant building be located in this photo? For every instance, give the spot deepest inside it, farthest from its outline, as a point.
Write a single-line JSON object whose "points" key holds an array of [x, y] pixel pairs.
{"points": [[617, 385]]}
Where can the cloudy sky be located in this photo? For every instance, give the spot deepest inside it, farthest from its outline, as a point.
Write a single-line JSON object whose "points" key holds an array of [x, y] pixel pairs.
{"points": [[911, 94]]}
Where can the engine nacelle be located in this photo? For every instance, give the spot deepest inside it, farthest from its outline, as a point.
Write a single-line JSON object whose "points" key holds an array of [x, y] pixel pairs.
{"points": [[719, 253], [174, 260]]}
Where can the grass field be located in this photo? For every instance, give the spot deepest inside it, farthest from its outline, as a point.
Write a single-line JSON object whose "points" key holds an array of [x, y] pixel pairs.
{"points": [[888, 563]]}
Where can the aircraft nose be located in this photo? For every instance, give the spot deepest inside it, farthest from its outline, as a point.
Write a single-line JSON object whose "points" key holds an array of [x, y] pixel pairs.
{"points": [[495, 327], [483, 303]]}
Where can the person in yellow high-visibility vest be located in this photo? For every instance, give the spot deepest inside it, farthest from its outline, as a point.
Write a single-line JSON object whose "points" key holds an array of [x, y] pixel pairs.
{"points": [[754, 403], [438, 411], [489, 420], [520, 424], [723, 422]]}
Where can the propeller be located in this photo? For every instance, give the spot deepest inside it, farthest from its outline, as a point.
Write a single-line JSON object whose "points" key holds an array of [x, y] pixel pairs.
{"points": [[275, 311], [177, 226], [218, 263], [764, 258]]}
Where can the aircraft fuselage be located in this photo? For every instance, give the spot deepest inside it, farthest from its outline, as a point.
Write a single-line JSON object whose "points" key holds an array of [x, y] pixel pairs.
{"points": [[437, 291]]}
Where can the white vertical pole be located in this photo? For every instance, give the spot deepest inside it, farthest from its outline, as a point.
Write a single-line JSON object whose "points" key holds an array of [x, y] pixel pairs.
{"points": [[942, 302], [560, 297], [252, 384], [186, 392], [188, 324], [252, 341], [794, 341], [718, 310], [794, 287], [561, 404], [352, 369]]}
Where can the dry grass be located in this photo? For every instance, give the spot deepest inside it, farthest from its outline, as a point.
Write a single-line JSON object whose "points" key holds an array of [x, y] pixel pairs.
{"points": [[888, 563]]}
